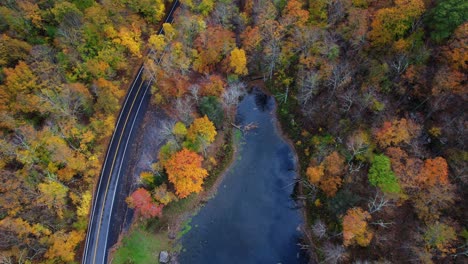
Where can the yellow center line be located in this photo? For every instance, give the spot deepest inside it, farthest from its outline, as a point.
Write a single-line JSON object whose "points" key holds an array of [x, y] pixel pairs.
{"points": [[112, 168]]}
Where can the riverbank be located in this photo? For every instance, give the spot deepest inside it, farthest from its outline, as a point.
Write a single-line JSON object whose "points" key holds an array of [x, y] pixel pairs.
{"points": [[177, 216], [168, 228], [253, 217], [299, 192]]}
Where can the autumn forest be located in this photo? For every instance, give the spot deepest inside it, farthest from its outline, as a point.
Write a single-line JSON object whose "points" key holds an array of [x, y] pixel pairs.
{"points": [[370, 93]]}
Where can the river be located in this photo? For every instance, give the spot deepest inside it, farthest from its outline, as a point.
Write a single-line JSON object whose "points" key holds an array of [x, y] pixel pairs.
{"points": [[252, 218]]}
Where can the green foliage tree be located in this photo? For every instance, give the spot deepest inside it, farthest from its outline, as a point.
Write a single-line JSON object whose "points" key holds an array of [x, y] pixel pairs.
{"points": [[152, 10], [382, 176], [342, 201], [212, 108], [179, 130], [445, 17]]}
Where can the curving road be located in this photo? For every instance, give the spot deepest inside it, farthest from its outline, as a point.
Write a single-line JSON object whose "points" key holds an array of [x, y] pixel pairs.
{"points": [[96, 245]]}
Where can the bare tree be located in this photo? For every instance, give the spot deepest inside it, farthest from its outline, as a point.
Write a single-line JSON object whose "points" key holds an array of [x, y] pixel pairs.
{"points": [[233, 93], [225, 14], [305, 38], [69, 30], [319, 229], [337, 10], [340, 77], [183, 108], [356, 145], [399, 64], [149, 69], [347, 99], [378, 202], [333, 253], [194, 91], [381, 223], [273, 34], [308, 86], [166, 129]]}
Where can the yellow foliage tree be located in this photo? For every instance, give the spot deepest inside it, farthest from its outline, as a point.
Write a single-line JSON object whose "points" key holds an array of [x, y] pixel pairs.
{"points": [[83, 209], [393, 23], [53, 194], [147, 177], [202, 129], [63, 245], [184, 170], [179, 130], [162, 195], [130, 38], [157, 42], [238, 61], [21, 88]]}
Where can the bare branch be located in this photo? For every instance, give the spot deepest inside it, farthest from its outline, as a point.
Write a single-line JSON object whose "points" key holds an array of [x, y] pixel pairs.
{"points": [[319, 229], [378, 202]]}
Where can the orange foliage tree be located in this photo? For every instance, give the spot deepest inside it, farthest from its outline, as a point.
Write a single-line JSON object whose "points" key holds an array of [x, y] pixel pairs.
{"points": [[355, 228], [456, 51], [184, 170], [213, 85], [449, 80], [212, 45], [293, 14], [434, 171], [395, 132], [144, 206], [251, 39], [315, 174], [406, 168], [328, 174]]}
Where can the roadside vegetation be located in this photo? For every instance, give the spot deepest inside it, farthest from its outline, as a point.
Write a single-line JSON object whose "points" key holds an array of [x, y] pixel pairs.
{"points": [[64, 68], [141, 247]]}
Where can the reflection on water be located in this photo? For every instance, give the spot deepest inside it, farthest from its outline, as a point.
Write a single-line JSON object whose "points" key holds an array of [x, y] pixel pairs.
{"points": [[252, 219], [262, 101]]}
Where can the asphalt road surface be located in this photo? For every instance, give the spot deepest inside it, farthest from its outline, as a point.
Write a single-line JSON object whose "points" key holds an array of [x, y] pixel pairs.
{"points": [[101, 218]]}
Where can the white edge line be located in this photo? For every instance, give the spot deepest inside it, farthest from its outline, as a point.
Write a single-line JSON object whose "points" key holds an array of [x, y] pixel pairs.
{"points": [[126, 144], [121, 163], [110, 144], [104, 166]]}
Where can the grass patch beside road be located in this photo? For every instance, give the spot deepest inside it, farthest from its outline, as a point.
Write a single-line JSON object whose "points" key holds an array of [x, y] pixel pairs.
{"points": [[142, 247]]}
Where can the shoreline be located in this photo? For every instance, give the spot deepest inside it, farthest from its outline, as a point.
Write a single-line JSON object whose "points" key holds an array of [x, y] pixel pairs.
{"points": [[285, 137], [175, 225]]}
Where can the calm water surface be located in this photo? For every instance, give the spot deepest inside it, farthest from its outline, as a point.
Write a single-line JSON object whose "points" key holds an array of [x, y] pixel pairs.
{"points": [[252, 218]]}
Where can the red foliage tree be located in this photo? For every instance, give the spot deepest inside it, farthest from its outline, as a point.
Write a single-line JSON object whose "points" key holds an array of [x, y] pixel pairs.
{"points": [[143, 204]]}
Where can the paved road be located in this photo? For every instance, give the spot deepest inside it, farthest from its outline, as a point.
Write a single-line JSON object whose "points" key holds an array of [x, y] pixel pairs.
{"points": [[96, 245]]}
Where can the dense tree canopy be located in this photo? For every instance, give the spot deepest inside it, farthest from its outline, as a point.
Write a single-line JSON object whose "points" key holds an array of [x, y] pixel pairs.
{"points": [[445, 17], [352, 78]]}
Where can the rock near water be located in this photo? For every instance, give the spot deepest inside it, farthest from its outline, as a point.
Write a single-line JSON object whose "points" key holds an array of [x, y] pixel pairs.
{"points": [[163, 257]]}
